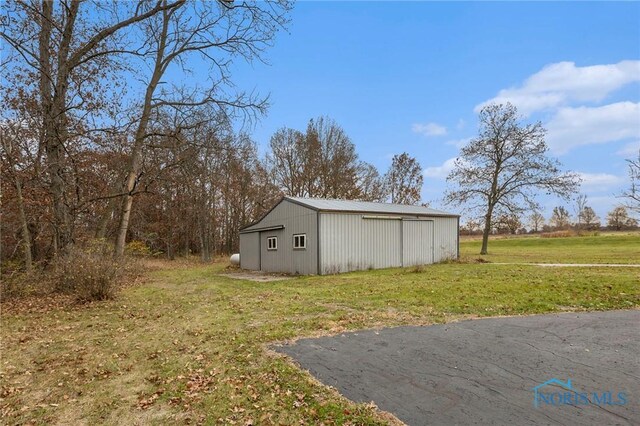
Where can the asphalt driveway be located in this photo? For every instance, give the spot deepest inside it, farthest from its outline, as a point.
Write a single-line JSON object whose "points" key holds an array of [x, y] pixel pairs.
{"points": [[484, 371]]}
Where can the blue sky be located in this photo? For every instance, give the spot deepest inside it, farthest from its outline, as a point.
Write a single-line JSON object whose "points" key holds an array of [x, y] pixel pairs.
{"points": [[409, 76]]}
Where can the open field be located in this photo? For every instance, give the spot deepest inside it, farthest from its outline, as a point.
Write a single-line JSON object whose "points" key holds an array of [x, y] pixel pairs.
{"points": [[623, 247], [188, 346]]}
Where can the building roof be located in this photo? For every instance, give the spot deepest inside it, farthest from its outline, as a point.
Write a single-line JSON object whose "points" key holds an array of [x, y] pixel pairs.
{"points": [[329, 205], [321, 204]]}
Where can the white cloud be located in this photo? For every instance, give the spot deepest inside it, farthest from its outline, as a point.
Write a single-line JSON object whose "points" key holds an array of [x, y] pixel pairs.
{"points": [[559, 83], [429, 129], [630, 150], [572, 127], [600, 181], [442, 171]]}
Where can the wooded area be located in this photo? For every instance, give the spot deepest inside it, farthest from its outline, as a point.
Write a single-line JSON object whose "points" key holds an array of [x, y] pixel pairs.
{"points": [[105, 136]]}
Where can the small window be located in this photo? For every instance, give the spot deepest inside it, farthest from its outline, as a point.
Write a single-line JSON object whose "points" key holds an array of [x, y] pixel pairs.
{"points": [[272, 243], [300, 241]]}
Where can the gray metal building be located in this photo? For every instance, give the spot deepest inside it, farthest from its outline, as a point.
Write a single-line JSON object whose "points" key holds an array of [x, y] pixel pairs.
{"points": [[317, 236]]}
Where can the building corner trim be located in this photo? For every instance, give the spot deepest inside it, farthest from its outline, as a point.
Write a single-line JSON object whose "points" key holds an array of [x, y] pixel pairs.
{"points": [[318, 265]]}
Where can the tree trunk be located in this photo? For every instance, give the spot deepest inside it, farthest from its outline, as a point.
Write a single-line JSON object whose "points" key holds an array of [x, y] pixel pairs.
{"points": [[138, 144], [26, 235], [486, 231], [170, 254], [101, 228], [205, 236], [127, 201], [55, 117], [485, 238], [205, 244], [187, 242]]}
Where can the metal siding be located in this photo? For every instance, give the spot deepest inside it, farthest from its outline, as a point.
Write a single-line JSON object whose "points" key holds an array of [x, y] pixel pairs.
{"points": [[417, 242], [296, 219], [349, 243], [445, 238], [343, 241], [250, 251]]}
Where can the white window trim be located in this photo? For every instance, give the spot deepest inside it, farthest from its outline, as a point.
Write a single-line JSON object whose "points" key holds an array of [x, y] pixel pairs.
{"points": [[275, 243], [302, 247]]}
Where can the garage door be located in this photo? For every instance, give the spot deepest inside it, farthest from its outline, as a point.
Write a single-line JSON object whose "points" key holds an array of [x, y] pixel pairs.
{"points": [[417, 242]]}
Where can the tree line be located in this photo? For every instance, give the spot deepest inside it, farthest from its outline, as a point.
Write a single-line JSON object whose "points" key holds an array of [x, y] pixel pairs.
{"points": [[617, 219], [199, 184]]}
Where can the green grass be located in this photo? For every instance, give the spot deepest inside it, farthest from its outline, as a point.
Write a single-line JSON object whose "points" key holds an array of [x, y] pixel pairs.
{"points": [[607, 248], [188, 346]]}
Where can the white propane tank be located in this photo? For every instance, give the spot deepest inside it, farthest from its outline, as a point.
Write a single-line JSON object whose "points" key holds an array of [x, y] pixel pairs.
{"points": [[235, 259]]}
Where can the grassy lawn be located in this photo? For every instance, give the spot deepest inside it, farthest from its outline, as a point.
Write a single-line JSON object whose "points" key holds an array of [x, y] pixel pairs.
{"points": [[189, 346], [606, 248]]}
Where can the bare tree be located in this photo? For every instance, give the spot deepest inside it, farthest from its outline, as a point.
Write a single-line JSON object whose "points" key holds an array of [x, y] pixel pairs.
{"points": [[536, 221], [404, 179], [371, 185], [508, 223], [322, 162], [581, 203], [202, 183], [215, 33], [11, 137], [332, 160], [589, 219], [471, 226], [619, 219], [288, 162], [560, 218], [67, 54], [505, 166], [633, 193]]}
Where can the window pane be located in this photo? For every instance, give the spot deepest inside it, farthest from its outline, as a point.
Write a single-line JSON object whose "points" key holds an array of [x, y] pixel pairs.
{"points": [[272, 243], [299, 241]]}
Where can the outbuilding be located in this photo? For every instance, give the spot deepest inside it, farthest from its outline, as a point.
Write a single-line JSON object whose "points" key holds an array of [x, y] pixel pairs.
{"points": [[319, 236]]}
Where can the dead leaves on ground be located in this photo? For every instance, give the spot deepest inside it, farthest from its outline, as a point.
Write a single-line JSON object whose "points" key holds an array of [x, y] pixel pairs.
{"points": [[37, 304], [193, 372], [191, 388], [251, 398]]}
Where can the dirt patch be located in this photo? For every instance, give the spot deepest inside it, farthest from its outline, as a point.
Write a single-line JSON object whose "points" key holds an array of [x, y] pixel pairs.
{"points": [[260, 277]]}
